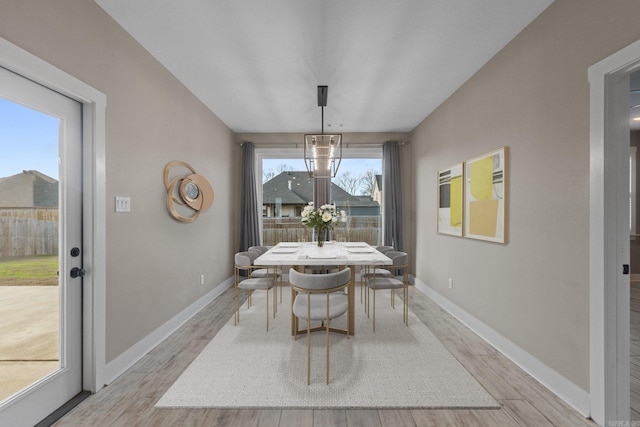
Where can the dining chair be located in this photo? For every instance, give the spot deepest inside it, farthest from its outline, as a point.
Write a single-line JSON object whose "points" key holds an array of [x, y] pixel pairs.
{"points": [[243, 280], [369, 269], [261, 272], [321, 269], [384, 249], [398, 279], [320, 297], [260, 249]]}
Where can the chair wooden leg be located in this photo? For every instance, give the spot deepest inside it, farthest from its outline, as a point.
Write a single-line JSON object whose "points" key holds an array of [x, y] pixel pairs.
{"points": [[366, 301], [308, 339], [406, 305], [238, 305], [366, 290], [327, 346], [294, 319], [308, 352], [362, 282], [374, 310]]}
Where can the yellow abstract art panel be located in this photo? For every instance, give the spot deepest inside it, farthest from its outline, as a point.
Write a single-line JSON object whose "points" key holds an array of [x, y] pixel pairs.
{"points": [[456, 202], [481, 178]]}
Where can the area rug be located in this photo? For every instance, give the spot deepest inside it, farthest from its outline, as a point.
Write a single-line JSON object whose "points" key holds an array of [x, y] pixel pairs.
{"points": [[396, 367]]}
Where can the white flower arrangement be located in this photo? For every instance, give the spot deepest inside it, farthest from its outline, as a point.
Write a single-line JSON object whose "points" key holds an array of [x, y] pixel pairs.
{"points": [[324, 218]]}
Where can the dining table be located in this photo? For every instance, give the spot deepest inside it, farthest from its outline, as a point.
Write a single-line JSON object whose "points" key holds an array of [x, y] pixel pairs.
{"points": [[301, 255]]}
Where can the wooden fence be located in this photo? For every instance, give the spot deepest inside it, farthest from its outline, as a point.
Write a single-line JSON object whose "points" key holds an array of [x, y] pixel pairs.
{"points": [[356, 229], [28, 232], [42, 214]]}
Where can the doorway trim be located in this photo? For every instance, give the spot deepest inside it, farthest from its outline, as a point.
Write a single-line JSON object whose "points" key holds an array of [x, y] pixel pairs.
{"points": [[94, 104], [609, 235]]}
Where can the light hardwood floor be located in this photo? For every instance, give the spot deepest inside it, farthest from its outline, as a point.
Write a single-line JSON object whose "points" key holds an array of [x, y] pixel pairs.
{"points": [[129, 401]]}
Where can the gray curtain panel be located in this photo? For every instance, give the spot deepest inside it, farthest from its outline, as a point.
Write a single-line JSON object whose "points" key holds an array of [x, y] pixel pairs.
{"points": [[392, 195], [249, 219]]}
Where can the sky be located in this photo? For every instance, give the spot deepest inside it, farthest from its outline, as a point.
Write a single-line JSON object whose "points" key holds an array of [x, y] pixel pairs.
{"points": [[354, 166], [28, 140]]}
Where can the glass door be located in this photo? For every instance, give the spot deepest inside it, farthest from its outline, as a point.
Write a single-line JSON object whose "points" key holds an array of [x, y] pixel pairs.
{"points": [[40, 243]]}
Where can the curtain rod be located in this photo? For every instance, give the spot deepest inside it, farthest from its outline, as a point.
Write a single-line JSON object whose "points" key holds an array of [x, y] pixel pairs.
{"points": [[301, 146]]}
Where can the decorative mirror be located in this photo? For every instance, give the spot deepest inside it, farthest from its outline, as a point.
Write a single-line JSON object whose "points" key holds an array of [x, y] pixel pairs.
{"points": [[192, 191]]}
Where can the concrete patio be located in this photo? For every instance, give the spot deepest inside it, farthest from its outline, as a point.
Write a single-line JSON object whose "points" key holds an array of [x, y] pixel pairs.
{"points": [[29, 340]]}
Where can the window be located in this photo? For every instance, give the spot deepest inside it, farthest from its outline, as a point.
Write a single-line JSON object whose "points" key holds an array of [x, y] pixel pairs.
{"points": [[286, 188]]}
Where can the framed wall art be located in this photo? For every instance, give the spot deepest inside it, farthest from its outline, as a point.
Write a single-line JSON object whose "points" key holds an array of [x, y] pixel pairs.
{"points": [[450, 199], [485, 196]]}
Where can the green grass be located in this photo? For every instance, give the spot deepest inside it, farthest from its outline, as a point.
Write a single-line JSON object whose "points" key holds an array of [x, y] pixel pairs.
{"points": [[29, 271]]}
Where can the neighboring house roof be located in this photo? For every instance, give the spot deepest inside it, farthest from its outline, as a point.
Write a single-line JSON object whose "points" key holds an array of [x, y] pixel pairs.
{"points": [[292, 187], [34, 173], [42, 176], [295, 188]]}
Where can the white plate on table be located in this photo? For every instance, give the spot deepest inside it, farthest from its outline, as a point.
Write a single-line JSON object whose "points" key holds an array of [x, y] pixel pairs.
{"points": [[312, 256], [284, 251], [289, 245], [361, 250], [355, 245]]}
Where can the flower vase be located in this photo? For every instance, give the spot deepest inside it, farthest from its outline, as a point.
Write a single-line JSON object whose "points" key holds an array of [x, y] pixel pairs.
{"points": [[320, 235]]}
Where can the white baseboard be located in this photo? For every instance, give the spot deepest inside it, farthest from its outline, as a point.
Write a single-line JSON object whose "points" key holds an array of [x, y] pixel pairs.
{"points": [[558, 384], [120, 364]]}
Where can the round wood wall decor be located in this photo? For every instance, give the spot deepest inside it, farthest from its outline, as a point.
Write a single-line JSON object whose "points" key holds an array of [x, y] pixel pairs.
{"points": [[192, 191]]}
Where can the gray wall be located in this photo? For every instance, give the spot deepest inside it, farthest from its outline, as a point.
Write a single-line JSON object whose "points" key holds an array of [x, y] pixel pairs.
{"points": [[533, 97], [154, 263]]}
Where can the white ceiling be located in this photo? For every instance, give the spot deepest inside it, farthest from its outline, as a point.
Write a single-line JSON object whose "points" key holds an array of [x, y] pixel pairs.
{"points": [[388, 63]]}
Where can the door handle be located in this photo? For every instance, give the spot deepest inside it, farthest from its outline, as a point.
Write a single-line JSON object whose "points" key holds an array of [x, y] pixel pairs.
{"points": [[77, 272]]}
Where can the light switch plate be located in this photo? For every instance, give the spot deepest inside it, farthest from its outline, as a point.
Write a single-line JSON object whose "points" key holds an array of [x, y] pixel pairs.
{"points": [[123, 204]]}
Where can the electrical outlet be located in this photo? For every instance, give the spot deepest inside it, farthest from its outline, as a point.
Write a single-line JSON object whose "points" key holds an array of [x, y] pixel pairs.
{"points": [[202, 279], [450, 283]]}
